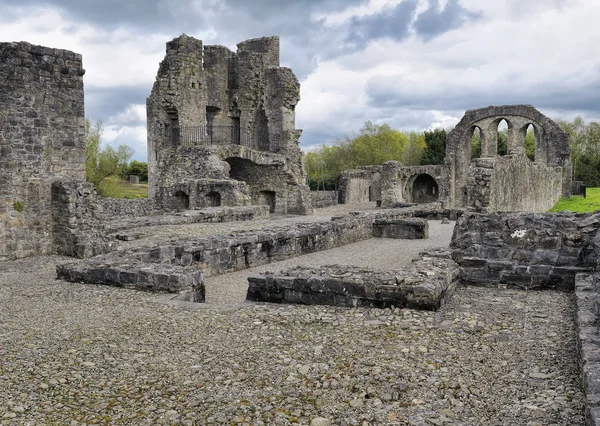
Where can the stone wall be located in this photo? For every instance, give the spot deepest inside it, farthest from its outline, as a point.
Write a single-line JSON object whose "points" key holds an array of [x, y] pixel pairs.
{"points": [[41, 139], [322, 199], [587, 293], [526, 250], [77, 227], [117, 207], [360, 185], [218, 114], [414, 184], [427, 283], [218, 254], [512, 183]]}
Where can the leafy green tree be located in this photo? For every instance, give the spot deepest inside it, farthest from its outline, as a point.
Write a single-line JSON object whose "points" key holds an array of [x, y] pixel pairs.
{"points": [[139, 168], [101, 164], [374, 145], [435, 150]]}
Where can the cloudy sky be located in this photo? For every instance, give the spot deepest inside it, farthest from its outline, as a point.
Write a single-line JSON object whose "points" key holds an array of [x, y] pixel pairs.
{"points": [[414, 64]]}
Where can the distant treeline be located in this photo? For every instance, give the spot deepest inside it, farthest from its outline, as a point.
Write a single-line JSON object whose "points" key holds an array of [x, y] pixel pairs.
{"points": [[376, 144]]}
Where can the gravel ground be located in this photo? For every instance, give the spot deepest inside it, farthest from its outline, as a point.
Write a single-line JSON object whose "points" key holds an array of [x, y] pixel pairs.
{"points": [[86, 354]]}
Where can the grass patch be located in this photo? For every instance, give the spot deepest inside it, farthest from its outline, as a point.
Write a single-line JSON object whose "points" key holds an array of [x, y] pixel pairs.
{"points": [[578, 204], [114, 187]]}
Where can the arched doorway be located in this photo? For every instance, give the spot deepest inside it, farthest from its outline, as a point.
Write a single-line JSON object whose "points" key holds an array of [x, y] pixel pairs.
{"points": [[181, 201], [213, 199], [425, 189], [268, 198]]}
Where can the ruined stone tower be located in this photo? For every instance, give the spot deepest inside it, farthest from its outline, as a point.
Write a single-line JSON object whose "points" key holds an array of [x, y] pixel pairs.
{"points": [[221, 129], [42, 125]]}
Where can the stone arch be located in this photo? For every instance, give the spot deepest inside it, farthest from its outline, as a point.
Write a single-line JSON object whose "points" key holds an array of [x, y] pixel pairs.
{"points": [[423, 188], [181, 201], [552, 147], [213, 199]]}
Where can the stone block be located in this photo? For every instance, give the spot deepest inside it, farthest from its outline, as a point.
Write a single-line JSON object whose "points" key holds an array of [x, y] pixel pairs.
{"points": [[411, 228]]}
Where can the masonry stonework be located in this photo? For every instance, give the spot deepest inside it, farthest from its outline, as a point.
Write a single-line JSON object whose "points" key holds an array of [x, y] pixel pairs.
{"points": [[42, 125], [221, 129]]}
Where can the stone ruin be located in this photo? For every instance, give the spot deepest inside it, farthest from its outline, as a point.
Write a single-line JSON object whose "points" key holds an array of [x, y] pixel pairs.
{"points": [[42, 125], [221, 133], [490, 183], [221, 129]]}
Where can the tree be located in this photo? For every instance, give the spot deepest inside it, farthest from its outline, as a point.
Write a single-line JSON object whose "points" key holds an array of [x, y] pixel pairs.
{"points": [[100, 164], [435, 150], [139, 168]]}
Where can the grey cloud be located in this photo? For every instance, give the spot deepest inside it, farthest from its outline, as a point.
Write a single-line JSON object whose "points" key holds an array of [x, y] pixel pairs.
{"points": [[146, 14], [390, 23], [436, 20], [386, 93], [101, 103]]}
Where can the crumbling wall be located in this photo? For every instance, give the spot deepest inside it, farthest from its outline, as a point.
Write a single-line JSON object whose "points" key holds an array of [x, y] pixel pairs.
{"points": [[322, 199], [208, 102], [360, 185], [77, 221], [42, 125], [512, 183], [511, 174], [528, 250]]}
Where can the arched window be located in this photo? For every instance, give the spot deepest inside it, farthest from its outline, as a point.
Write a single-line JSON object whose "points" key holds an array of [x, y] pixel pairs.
{"points": [[213, 199], [502, 147], [530, 141], [476, 136]]}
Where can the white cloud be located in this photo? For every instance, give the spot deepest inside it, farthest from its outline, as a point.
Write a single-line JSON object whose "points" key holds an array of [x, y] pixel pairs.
{"points": [[514, 50], [133, 113]]}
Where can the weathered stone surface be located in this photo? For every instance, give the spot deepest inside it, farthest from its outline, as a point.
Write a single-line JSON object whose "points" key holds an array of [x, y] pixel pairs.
{"points": [[408, 229], [221, 129], [137, 275], [322, 199], [41, 139], [426, 284], [526, 250]]}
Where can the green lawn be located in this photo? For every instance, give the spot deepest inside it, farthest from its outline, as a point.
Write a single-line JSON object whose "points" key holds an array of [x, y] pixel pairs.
{"points": [[579, 204], [113, 187]]}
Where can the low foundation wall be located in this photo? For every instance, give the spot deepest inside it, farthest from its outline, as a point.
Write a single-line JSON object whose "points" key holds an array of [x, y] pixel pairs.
{"points": [[218, 254], [426, 284], [207, 215]]}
